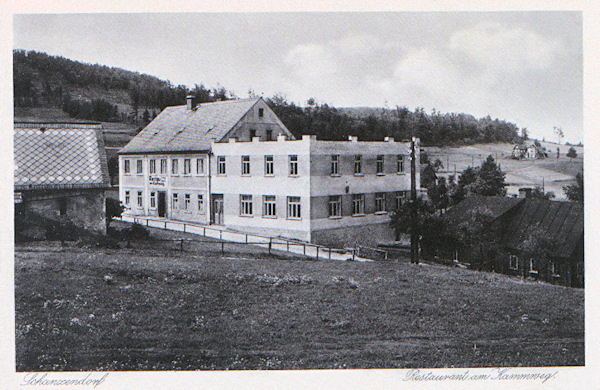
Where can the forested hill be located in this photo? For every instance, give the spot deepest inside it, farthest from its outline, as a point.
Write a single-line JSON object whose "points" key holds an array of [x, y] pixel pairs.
{"points": [[102, 93]]}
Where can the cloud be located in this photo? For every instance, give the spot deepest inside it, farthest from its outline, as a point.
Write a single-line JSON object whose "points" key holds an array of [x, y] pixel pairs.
{"points": [[503, 49], [311, 61]]}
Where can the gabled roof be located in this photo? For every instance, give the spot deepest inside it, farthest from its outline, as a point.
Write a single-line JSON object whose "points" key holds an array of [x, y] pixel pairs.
{"points": [[59, 156], [178, 129], [497, 205], [562, 222]]}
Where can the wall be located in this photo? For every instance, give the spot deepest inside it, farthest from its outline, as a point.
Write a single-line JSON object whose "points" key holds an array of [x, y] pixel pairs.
{"points": [[85, 208], [349, 236], [252, 121]]}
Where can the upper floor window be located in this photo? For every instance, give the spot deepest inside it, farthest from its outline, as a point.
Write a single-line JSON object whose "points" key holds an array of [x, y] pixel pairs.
{"points": [[335, 160], [126, 166], [269, 166], [163, 166], [175, 166], [246, 205], [400, 163], [261, 112], [246, 165], [140, 166], [269, 206], [187, 166], [199, 166], [152, 167], [335, 206], [293, 165], [357, 164], [380, 164], [293, 209], [358, 204], [380, 202], [221, 165]]}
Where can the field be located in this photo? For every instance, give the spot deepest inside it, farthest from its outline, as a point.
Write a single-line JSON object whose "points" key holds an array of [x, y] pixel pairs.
{"points": [[552, 173], [99, 309]]}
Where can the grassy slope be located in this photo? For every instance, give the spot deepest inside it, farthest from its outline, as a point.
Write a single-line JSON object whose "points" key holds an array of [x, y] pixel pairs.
{"points": [[166, 311]]}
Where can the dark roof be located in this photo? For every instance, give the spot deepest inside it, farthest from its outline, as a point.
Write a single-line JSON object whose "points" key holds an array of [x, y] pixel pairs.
{"points": [[497, 205], [178, 129], [561, 221], [59, 156]]}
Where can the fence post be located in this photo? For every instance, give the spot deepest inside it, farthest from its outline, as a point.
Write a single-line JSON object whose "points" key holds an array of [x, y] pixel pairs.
{"points": [[270, 241], [222, 248], [182, 244], [329, 253], [317, 252], [246, 238], [287, 246], [354, 254], [304, 249], [146, 223], [184, 225], [220, 234], [165, 225]]}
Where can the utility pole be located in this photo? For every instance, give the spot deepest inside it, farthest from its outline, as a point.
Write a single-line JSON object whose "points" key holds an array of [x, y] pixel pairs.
{"points": [[414, 238]]}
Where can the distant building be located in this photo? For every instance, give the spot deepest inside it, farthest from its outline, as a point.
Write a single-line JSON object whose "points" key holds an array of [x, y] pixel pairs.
{"points": [[529, 152], [233, 163], [61, 172], [515, 221]]}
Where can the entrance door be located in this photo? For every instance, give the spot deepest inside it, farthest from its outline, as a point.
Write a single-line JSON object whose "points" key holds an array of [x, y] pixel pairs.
{"points": [[217, 209], [162, 203]]}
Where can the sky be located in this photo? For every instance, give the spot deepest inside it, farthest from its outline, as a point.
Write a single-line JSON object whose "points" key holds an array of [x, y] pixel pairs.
{"points": [[523, 67]]}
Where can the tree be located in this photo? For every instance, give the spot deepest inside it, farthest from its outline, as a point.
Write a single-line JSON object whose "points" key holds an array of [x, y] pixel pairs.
{"points": [[438, 164], [524, 134], [400, 218], [539, 245], [428, 176], [490, 179], [477, 234], [572, 153], [539, 193], [574, 192], [114, 209], [559, 133], [438, 194]]}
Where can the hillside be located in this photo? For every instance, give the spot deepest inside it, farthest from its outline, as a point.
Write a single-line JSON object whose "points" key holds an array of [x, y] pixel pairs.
{"points": [[551, 173]]}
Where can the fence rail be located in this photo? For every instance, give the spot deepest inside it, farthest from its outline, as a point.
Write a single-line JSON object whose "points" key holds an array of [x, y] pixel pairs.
{"points": [[269, 243]]}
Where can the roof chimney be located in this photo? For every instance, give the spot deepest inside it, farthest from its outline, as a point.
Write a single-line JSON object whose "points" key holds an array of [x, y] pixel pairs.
{"points": [[190, 101]]}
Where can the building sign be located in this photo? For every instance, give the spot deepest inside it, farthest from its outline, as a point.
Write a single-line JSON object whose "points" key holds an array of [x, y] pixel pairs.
{"points": [[156, 181]]}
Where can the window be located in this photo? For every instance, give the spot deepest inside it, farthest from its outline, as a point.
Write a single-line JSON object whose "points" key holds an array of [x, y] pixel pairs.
{"points": [[380, 202], [532, 269], [199, 166], [293, 165], [127, 198], [126, 166], [252, 134], [358, 204], [246, 205], [400, 163], [221, 165], [358, 164], [246, 165], [269, 171], [335, 206], [269, 206], [62, 206], [175, 166], [175, 201], [513, 262], [187, 200], [152, 166], [201, 203], [140, 200], [554, 269], [163, 166], [269, 135], [140, 167], [400, 199], [380, 163], [261, 112], [293, 209], [152, 200], [187, 166], [335, 159]]}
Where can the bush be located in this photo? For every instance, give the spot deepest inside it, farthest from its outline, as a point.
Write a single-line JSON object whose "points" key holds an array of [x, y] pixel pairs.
{"points": [[136, 231]]}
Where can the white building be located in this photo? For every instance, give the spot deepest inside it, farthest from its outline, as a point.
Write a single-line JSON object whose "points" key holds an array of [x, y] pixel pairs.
{"points": [[250, 174]]}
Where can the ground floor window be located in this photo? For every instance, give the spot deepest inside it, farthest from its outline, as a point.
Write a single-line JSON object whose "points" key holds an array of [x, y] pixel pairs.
{"points": [[335, 206], [554, 269], [127, 198], [513, 262], [152, 200], [140, 199], [532, 266], [358, 204], [269, 206], [175, 201], [400, 199], [246, 205], [293, 209], [187, 200], [201, 203]]}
